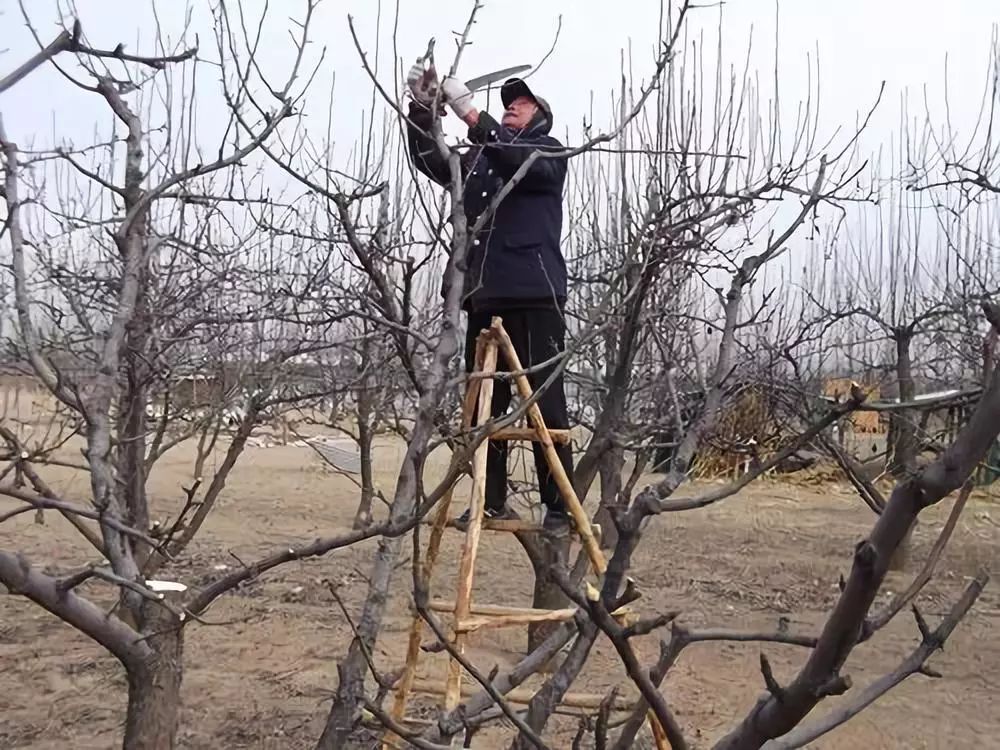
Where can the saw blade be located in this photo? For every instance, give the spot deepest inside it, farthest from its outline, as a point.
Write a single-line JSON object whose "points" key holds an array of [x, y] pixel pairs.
{"points": [[496, 76]]}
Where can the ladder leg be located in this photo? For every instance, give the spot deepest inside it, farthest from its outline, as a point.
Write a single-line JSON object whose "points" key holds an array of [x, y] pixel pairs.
{"points": [[463, 597], [659, 736], [573, 504], [405, 684]]}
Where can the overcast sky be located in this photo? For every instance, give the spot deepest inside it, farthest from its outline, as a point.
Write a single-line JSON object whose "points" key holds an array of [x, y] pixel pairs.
{"points": [[909, 44], [859, 44]]}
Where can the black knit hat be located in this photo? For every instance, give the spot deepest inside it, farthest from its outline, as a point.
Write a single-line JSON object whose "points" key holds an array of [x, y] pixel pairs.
{"points": [[514, 87]]}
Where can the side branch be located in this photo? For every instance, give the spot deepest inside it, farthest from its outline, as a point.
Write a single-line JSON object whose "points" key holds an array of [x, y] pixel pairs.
{"points": [[700, 501], [42, 367], [21, 578]]}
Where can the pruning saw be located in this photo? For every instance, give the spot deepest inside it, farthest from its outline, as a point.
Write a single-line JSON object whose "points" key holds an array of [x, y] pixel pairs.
{"points": [[497, 75], [479, 81]]}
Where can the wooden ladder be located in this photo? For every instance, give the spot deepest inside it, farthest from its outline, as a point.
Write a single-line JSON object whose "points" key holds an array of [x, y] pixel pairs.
{"points": [[466, 616]]}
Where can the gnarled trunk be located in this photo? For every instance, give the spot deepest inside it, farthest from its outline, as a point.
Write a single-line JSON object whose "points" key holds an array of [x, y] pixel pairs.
{"points": [[547, 593], [903, 429], [154, 686]]}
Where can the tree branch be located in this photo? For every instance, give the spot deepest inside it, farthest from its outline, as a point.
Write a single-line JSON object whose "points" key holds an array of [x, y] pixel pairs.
{"points": [[913, 664], [844, 627], [121, 640], [63, 42]]}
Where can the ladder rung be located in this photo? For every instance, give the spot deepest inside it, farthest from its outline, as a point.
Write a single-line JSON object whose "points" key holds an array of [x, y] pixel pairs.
{"points": [[524, 695], [499, 616], [529, 433], [489, 616], [492, 622], [505, 524], [489, 610]]}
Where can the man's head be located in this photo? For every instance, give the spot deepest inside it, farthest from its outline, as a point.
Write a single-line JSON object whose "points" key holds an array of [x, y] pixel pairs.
{"points": [[519, 113], [522, 109]]}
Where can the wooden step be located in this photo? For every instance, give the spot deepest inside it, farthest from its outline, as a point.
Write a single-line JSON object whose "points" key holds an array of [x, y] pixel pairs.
{"points": [[505, 524], [492, 616], [489, 616], [491, 610], [513, 525], [524, 695], [496, 621], [529, 433]]}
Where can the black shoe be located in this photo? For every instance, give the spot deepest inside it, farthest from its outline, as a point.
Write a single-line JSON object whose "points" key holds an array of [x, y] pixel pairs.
{"points": [[462, 522]]}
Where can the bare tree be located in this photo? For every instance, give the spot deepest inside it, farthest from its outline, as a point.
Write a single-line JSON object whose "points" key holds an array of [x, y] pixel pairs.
{"points": [[129, 286], [331, 289]]}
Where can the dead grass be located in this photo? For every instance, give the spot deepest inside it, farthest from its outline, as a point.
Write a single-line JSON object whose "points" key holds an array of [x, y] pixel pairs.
{"points": [[264, 681]]}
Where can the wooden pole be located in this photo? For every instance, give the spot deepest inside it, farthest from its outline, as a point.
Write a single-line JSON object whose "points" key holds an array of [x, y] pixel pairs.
{"points": [[659, 736], [573, 504], [467, 566]]}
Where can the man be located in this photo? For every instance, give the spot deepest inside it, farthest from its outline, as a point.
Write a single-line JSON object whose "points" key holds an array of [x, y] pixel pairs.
{"points": [[514, 266]]}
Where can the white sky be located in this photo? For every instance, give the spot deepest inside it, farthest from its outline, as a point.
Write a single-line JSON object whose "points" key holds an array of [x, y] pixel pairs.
{"points": [[910, 44], [859, 42]]}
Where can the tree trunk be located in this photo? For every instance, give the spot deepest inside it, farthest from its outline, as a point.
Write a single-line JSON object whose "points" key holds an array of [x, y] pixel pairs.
{"points": [[903, 434], [363, 516], [132, 431], [903, 430], [547, 594], [342, 721], [154, 687]]}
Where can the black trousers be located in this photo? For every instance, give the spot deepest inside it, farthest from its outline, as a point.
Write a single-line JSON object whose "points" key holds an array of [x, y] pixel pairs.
{"points": [[537, 335]]}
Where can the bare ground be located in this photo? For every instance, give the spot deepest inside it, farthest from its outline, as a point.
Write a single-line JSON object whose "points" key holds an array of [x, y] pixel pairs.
{"points": [[262, 678]]}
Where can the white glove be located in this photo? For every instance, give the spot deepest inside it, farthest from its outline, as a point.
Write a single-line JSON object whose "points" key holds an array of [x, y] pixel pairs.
{"points": [[422, 82], [458, 96]]}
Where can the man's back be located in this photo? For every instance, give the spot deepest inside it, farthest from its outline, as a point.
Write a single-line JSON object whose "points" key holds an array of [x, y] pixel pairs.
{"points": [[516, 258]]}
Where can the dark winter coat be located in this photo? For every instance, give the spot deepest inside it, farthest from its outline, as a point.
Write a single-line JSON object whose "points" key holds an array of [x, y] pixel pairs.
{"points": [[515, 260]]}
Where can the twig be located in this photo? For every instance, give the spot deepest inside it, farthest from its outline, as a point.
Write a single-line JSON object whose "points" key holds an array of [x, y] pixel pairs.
{"points": [[111, 577], [503, 683], [398, 729], [773, 687], [354, 631], [46, 503], [869, 493], [43, 489], [119, 53]]}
